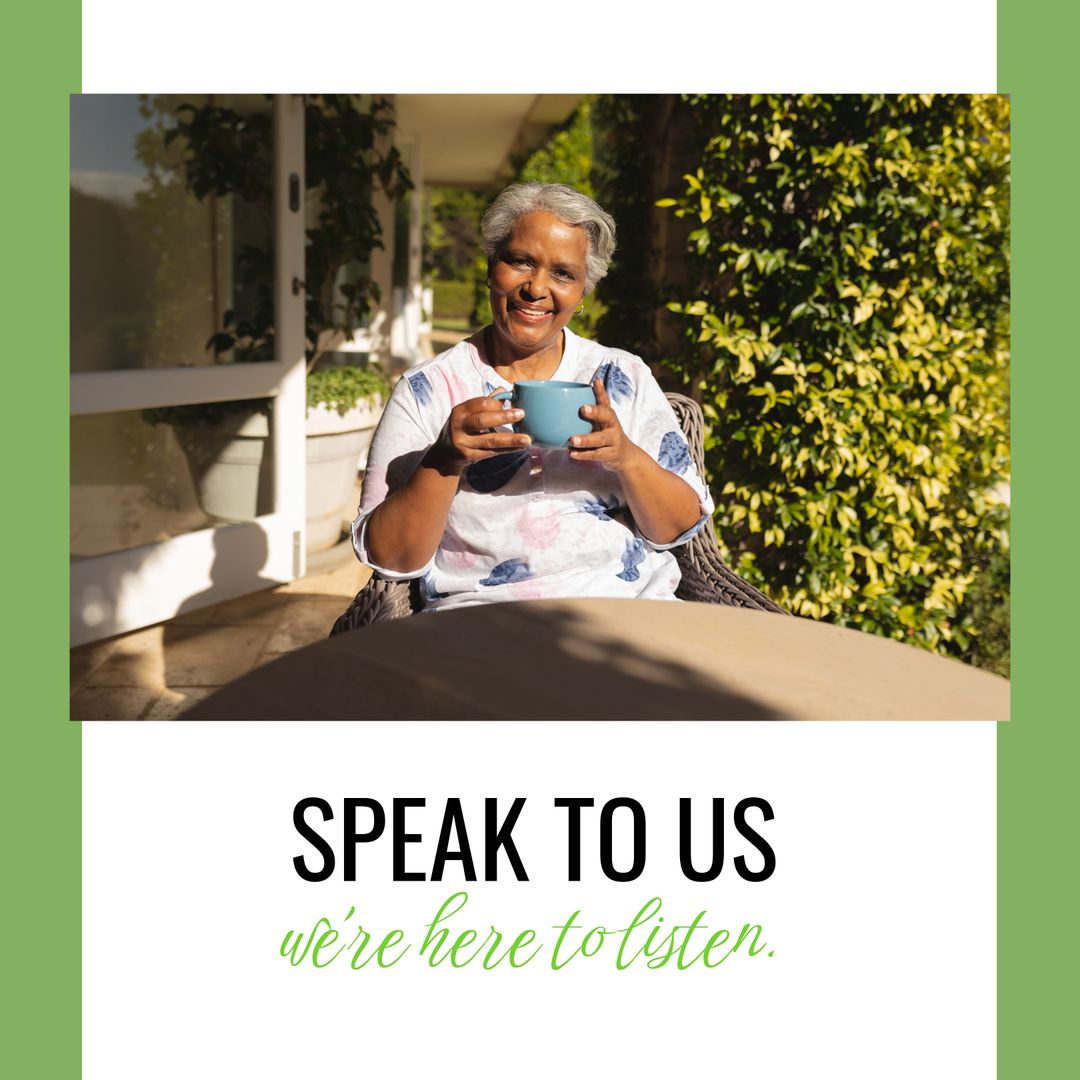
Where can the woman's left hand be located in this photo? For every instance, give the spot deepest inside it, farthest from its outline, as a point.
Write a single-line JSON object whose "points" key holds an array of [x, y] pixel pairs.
{"points": [[607, 442]]}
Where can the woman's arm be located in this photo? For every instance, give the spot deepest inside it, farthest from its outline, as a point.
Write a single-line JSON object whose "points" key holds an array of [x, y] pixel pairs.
{"points": [[663, 504], [404, 531]]}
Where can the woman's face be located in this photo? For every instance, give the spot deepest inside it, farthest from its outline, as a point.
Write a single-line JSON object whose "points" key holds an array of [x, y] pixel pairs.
{"points": [[537, 281]]}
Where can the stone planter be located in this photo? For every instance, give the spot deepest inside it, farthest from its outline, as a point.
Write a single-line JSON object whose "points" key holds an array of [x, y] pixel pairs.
{"points": [[232, 466]]}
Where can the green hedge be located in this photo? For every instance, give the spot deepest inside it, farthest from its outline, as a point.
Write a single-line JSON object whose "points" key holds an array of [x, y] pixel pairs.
{"points": [[845, 325], [452, 299]]}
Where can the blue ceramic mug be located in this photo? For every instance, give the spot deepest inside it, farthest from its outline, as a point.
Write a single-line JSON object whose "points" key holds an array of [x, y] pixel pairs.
{"points": [[552, 410]]}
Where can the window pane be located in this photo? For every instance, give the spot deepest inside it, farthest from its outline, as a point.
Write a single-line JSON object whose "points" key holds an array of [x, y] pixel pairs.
{"points": [[135, 481], [154, 270]]}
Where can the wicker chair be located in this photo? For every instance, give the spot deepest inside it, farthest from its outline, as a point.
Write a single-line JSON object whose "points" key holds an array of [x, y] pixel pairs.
{"points": [[705, 575]]}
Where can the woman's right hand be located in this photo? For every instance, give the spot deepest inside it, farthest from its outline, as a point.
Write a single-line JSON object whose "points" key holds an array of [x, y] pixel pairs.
{"points": [[467, 435]]}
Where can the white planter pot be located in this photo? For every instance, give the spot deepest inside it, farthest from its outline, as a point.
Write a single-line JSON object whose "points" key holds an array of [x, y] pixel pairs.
{"points": [[231, 466], [337, 447]]}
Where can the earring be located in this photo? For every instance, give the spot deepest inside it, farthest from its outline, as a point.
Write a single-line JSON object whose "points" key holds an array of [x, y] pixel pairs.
{"points": [[581, 308]]}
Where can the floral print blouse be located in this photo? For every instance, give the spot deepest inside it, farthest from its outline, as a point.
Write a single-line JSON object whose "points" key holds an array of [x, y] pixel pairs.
{"points": [[531, 524]]}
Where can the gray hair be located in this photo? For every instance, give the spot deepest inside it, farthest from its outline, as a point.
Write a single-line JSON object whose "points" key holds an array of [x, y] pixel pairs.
{"points": [[565, 203]]}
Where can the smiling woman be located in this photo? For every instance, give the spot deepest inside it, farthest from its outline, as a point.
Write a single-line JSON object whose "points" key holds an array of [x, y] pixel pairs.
{"points": [[456, 496], [536, 285]]}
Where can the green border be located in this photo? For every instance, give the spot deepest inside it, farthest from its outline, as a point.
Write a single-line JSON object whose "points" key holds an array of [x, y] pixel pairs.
{"points": [[1039, 750], [42, 785]]}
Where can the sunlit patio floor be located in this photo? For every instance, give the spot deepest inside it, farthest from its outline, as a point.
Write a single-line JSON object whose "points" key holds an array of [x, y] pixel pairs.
{"points": [[159, 672]]}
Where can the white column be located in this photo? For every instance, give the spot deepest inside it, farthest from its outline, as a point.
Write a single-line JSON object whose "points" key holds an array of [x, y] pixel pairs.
{"points": [[407, 308], [417, 322], [290, 405]]}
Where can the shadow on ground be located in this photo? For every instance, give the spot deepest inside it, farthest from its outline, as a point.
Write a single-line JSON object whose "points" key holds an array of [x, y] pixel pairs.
{"points": [[510, 661]]}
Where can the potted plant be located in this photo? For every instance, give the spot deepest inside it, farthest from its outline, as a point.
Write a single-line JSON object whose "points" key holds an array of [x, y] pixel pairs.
{"points": [[347, 158]]}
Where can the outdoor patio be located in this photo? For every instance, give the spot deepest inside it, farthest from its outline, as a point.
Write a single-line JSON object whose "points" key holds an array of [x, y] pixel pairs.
{"points": [[159, 672]]}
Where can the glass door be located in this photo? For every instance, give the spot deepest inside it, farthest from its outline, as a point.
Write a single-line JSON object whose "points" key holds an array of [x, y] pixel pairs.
{"points": [[187, 446]]}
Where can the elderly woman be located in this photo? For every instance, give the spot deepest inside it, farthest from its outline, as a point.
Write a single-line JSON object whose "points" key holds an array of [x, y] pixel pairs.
{"points": [[453, 496]]}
